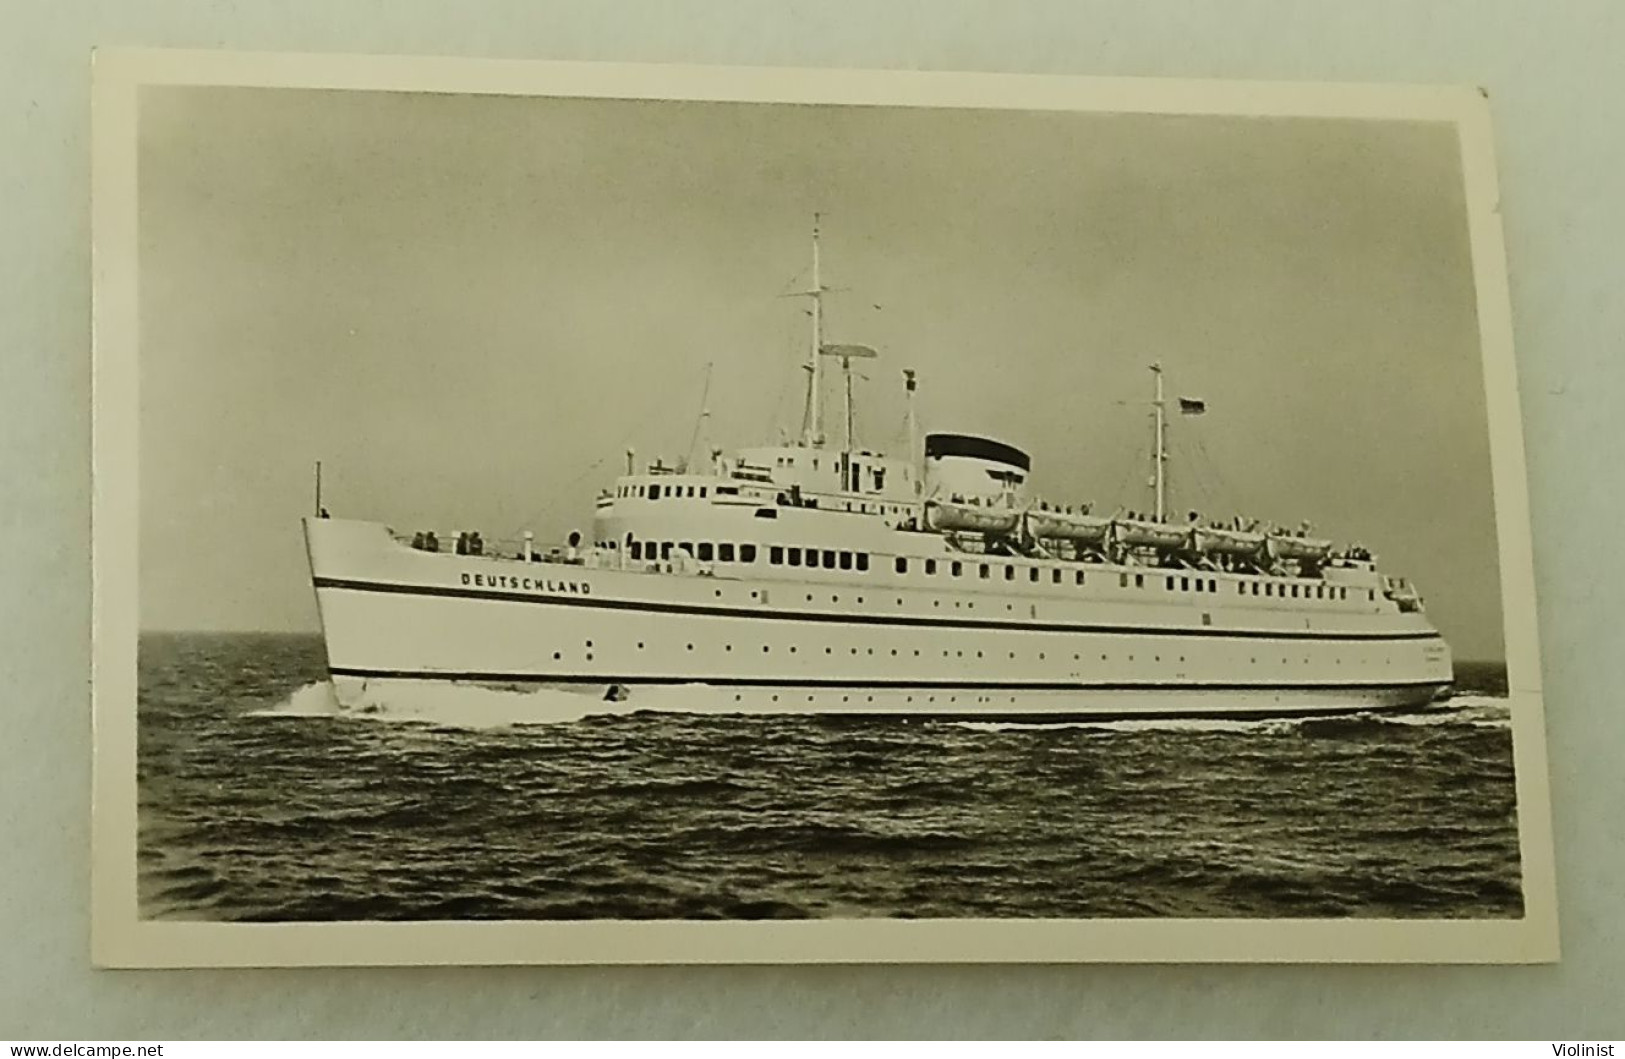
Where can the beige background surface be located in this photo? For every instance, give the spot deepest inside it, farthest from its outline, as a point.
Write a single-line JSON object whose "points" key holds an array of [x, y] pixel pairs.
{"points": [[1556, 90]]}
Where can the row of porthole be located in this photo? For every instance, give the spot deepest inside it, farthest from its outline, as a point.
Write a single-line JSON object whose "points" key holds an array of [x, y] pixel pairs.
{"points": [[1042, 656], [558, 656], [835, 599], [910, 698]]}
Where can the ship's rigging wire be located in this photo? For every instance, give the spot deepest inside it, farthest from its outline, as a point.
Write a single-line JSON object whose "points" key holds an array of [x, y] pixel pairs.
{"points": [[699, 420], [644, 415]]}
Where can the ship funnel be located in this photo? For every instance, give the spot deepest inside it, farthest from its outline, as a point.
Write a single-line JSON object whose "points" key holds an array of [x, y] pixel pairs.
{"points": [[975, 469]]}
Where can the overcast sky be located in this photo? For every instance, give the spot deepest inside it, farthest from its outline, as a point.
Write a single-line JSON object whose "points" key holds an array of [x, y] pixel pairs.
{"points": [[469, 307]]}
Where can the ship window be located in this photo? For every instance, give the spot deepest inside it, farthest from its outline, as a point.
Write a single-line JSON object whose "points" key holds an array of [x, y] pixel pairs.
{"points": [[636, 548], [846, 560], [747, 553], [1171, 583], [1010, 573], [930, 566], [1371, 595], [794, 556], [829, 559], [1139, 579], [1122, 579], [702, 491], [1212, 585], [957, 568], [725, 553], [665, 549], [985, 571], [902, 565], [1184, 584], [705, 552], [1294, 591], [775, 555], [687, 546], [1055, 576], [863, 560]]}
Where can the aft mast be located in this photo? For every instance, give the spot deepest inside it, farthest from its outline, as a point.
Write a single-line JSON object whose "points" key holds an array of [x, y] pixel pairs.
{"points": [[813, 435], [1159, 447]]}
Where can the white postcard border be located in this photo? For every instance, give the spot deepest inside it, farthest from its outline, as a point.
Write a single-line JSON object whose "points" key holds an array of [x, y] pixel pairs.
{"points": [[120, 938]]}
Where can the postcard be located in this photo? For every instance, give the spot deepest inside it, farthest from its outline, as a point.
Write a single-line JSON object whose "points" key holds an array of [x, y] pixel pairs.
{"points": [[572, 513]]}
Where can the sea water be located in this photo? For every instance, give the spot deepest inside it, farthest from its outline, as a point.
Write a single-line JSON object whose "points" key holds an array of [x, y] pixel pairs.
{"points": [[261, 799]]}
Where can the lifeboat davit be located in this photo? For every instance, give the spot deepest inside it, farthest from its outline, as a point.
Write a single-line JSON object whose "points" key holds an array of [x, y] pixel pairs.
{"points": [[1062, 526], [1138, 534], [1214, 541], [946, 516], [1312, 549]]}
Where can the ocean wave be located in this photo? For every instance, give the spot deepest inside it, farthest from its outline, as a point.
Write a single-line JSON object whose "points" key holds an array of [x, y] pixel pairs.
{"points": [[1479, 711], [442, 705]]}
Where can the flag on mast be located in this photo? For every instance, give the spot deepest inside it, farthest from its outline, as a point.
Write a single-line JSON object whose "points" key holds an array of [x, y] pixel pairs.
{"points": [[1191, 407]]}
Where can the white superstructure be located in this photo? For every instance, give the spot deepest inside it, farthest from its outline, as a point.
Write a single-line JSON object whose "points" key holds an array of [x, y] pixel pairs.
{"points": [[810, 578]]}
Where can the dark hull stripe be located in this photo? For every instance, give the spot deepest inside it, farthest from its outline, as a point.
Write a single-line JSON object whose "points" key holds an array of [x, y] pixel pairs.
{"points": [[915, 685], [1156, 714], [757, 614]]}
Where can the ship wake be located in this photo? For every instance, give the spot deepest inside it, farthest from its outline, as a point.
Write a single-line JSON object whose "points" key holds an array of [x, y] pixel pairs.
{"points": [[1477, 711], [479, 706]]}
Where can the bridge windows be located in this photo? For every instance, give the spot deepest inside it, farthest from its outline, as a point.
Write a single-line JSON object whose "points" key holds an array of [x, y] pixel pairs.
{"points": [[901, 565], [862, 561], [747, 553], [725, 553], [705, 554], [793, 556]]}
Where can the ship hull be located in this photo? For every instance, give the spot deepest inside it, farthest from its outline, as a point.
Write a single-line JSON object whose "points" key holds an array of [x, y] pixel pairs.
{"points": [[632, 640], [966, 702]]}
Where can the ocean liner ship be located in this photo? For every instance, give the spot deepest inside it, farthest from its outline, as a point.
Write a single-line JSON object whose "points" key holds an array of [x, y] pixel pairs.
{"points": [[806, 577]]}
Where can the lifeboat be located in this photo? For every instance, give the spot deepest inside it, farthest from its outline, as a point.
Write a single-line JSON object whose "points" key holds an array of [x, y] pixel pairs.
{"points": [[1061, 526], [1213, 541], [1312, 549], [1138, 534], [946, 516]]}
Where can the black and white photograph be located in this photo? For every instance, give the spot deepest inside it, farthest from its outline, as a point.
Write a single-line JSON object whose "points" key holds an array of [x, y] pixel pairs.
{"points": [[1056, 517]]}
